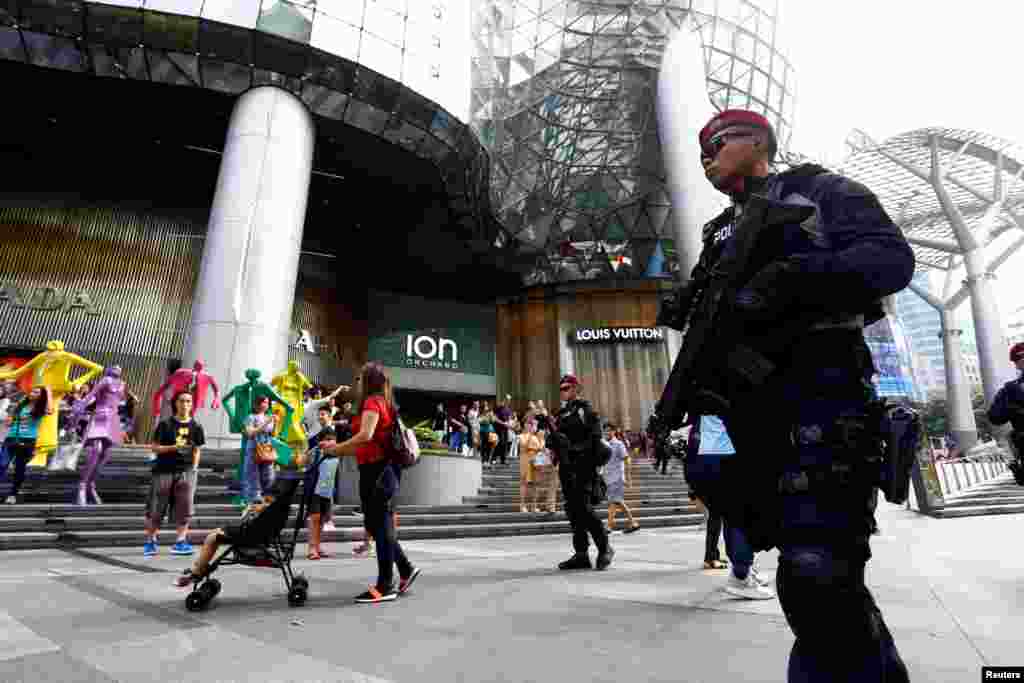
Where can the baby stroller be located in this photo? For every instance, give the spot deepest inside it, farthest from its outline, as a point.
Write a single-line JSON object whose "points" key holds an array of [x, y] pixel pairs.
{"points": [[262, 542]]}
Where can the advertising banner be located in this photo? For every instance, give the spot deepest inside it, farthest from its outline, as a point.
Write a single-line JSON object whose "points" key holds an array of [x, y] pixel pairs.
{"points": [[449, 349], [10, 362], [895, 378]]}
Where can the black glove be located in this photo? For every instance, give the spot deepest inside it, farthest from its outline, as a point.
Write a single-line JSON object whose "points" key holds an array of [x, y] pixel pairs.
{"points": [[675, 307], [769, 293]]}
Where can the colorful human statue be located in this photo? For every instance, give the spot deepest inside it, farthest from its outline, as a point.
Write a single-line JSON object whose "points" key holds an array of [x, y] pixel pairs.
{"points": [[292, 385], [104, 429], [238, 404], [52, 369], [196, 380]]}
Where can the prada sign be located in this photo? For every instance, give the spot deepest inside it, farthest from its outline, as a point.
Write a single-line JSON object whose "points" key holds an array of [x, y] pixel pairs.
{"points": [[48, 299], [618, 335]]}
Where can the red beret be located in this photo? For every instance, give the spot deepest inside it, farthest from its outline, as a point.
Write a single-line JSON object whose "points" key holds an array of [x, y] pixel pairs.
{"points": [[570, 380], [1016, 352], [733, 117]]}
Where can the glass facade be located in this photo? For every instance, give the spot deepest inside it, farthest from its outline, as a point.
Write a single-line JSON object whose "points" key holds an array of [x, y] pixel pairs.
{"points": [[563, 97], [393, 68], [411, 41]]}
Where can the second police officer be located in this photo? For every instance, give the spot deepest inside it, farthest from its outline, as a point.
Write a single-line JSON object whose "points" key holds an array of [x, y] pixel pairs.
{"points": [[580, 451], [812, 499], [1008, 406]]}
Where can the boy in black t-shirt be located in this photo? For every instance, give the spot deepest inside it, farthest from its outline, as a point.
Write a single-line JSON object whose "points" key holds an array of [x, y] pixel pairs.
{"points": [[177, 443]]}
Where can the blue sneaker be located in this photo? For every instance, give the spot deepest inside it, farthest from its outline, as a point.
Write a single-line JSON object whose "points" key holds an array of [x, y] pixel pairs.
{"points": [[150, 549], [181, 548]]}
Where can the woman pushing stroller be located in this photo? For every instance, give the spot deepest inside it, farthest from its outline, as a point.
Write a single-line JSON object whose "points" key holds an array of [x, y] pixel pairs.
{"points": [[379, 480]]}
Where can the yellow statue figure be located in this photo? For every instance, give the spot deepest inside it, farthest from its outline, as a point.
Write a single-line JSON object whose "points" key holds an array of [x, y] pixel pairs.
{"points": [[51, 369], [291, 385]]}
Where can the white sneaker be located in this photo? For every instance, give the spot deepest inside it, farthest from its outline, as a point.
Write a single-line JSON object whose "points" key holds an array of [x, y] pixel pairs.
{"points": [[11, 500], [329, 526], [748, 589], [760, 579]]}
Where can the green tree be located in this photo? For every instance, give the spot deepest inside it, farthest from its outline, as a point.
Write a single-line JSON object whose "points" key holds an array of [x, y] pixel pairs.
{"points": [[934, 417]]}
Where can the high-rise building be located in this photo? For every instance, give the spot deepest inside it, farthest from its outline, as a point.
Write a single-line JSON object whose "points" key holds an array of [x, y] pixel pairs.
{"points": [[923, 327]]}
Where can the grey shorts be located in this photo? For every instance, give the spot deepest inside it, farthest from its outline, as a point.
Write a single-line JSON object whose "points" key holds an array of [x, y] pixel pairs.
{"points": [[168, 487]]}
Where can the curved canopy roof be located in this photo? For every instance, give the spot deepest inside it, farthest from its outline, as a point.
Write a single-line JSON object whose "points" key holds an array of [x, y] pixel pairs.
{"points": [[982, 174]]}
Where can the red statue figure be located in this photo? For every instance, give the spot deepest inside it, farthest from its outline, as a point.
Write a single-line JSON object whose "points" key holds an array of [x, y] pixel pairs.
{"points": [[195, 380]]}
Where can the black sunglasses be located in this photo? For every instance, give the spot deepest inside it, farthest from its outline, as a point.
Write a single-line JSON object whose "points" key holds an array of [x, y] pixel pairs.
{"points": [[710, 149]]}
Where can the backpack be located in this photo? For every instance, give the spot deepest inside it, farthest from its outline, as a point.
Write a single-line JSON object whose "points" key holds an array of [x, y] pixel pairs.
{"points": [[405, 449]]}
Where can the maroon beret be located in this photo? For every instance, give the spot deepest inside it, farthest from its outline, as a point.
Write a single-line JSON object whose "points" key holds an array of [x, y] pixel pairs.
{"points": [[733, 117]]}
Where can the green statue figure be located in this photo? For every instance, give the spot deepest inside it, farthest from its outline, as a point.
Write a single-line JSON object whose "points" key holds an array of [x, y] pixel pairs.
{"points": [[242, 397]]}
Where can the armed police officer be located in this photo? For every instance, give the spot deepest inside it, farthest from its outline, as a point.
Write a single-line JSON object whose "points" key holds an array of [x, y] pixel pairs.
{"points": [[1008, 406], [580, 452], [774, 313]]}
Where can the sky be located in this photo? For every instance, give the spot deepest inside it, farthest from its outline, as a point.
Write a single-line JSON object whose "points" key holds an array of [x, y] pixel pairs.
{"points": [[892, 66]]}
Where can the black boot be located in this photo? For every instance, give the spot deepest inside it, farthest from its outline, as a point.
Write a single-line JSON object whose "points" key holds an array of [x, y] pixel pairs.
{"points": [[604, 559], [577, 561]]}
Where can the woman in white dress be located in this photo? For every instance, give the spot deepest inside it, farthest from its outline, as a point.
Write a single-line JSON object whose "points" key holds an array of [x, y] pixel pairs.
{"points": [[617, 477]]}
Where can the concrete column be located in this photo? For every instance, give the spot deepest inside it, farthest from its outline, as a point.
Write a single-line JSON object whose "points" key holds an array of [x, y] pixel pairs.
{"points": [[959, 413], [958, 393], [566, 359], [243, 304], [673, 343], [683, 107], [992, 347]]}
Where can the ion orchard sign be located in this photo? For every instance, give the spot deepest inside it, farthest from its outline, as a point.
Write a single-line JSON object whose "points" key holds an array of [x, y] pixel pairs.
{"points": [[427, 352], [618, 335]]}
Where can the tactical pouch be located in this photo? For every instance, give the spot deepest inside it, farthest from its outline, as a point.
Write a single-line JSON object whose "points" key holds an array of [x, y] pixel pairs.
{"points": [[1017, 441], [901, 434]]}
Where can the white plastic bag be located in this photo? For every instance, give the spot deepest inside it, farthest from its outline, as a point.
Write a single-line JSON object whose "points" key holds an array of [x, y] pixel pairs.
{"points": [[66, 457]]}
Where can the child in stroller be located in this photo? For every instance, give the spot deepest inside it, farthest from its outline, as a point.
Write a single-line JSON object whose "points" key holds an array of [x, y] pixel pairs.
{"points": [[256, 541]]}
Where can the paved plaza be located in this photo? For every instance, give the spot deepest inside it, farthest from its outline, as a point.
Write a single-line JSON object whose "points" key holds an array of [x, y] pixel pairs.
{"points": [[496, 610]]}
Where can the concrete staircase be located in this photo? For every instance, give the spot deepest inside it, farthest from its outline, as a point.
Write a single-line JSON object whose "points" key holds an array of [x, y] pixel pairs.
{"points": [[46, 517], [998, 496]]}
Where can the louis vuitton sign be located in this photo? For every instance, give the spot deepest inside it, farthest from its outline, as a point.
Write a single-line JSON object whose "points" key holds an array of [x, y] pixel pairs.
{"points": [[618, 335], [47, 299]]}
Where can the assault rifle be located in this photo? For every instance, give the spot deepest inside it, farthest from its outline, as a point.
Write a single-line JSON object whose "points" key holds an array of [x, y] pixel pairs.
{"points": [[716, 361]]}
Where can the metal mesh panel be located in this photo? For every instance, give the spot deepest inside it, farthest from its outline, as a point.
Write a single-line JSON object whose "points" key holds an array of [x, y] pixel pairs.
{"points": [[563, 98]]}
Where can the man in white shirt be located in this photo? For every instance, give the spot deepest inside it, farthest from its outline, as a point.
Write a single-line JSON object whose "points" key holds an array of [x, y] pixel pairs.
{"points": [[313, 424], [311, 407]]}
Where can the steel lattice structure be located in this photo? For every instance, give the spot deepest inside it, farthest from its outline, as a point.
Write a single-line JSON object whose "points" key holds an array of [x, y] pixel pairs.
{"points": [[563, 98], [981, 174], [953, 192]]}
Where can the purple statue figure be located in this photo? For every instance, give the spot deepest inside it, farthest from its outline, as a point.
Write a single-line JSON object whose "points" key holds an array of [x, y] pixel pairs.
{"points": [[104, 429]]}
